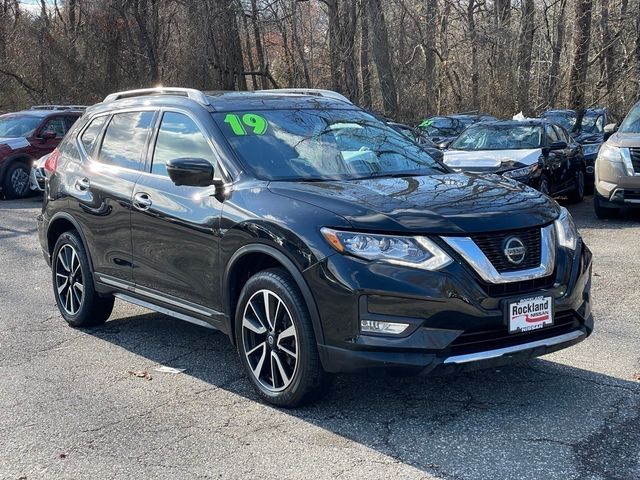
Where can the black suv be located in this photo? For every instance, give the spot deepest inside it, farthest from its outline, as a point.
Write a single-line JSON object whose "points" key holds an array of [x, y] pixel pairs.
{"points": [[319, 239]]}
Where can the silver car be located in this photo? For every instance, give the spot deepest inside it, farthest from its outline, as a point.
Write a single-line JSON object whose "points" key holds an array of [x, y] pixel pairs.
{"points": [[617, 169], [38, 177]]}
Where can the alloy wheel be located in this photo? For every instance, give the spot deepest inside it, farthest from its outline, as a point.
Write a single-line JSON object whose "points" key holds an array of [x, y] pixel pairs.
{"points": [[20, 181], [69, 281], [270, 340]]}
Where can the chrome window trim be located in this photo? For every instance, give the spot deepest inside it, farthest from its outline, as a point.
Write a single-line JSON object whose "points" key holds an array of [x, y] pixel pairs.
{"points": [[475, 257]]}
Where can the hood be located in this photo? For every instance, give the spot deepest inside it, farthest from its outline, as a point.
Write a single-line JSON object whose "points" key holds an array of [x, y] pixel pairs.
{"points": [[629, 140], [15, 143], [490, 160], [438, 204]]}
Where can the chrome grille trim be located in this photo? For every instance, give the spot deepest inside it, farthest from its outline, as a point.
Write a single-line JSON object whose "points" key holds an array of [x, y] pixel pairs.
{"points": [[473, 255]]}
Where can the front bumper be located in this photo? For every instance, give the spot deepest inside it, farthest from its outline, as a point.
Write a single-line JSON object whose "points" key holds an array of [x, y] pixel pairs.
{"points": [[456, 322], [615, 186], [37, 179]]}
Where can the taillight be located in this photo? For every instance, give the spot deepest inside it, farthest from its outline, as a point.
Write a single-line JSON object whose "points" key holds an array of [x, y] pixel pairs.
{"points": [[51, 163]]}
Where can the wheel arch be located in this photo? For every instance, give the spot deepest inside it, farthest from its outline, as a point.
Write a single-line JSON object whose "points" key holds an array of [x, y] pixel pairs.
{"points": [[63, 222], [259, 257]]}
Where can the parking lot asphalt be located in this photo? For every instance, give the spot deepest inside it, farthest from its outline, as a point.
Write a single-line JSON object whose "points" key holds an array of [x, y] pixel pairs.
{"points": [[72, 407]]}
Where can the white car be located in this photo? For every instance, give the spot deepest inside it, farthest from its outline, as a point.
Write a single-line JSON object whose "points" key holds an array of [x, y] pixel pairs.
{"points": [[38, 177]]}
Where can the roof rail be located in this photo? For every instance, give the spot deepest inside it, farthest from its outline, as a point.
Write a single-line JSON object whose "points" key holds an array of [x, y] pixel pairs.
{"points": [[318, 92], [191, 93], [58, 107]]}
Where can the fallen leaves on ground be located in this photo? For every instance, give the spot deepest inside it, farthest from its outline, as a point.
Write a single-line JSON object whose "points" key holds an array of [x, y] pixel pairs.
{"points": [[140, 374]]}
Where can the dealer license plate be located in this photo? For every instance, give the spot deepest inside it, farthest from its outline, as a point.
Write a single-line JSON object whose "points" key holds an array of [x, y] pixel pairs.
{"points": [[530, 314]]}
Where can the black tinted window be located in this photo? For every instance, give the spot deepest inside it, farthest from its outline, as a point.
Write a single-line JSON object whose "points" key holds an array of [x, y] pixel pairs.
{"points": [[179, 137], [69, 121], [90, 135], [552, 136], [125, 139]]}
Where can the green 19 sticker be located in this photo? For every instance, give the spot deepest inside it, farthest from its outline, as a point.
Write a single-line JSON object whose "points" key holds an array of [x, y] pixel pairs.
{"points": [[256, 123]]}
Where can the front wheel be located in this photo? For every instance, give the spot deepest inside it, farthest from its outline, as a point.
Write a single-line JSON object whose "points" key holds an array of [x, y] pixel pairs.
{"points": [[77, 300], [578, 193], [16, 181], [603, 211], [276, 342]]}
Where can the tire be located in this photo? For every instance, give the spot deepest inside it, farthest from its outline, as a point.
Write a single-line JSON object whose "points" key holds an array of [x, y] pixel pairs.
{"points": [[544, 185], [578, 194], [278, 351], [601, 210], [16, 182], [78, 302]]}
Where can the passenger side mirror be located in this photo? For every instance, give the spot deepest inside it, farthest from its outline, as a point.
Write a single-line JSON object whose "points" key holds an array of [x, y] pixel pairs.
{"points": [[444, 145], [609, 130], [191, 172], [558, 145], [48, 135]]}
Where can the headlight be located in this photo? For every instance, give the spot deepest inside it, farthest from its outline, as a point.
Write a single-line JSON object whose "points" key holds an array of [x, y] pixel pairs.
{"points": [[590, 148], [417, 252], [617, 155], [566, 230], [521, 172]]}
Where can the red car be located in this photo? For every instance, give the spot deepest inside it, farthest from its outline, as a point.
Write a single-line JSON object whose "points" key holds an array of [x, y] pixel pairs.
{"points": [[26, 136]]}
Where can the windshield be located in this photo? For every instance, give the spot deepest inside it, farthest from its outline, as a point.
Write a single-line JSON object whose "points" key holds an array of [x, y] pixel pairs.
{"points": [[14, 126], [567, 120], [631, 123], [499, 137], [442, 127], [318, 144]]}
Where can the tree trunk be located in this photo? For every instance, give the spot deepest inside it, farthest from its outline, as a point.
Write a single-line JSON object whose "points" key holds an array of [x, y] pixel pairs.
{"points": [[257, 36], [429, 47], [382, 57], [580, 62], [553, 83], [525, 45], [365, 72], [473, 40], [607, 53]]}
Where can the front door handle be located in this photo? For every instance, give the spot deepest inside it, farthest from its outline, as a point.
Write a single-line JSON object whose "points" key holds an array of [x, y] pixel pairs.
{"points": [[83, 184], [142, 201]]}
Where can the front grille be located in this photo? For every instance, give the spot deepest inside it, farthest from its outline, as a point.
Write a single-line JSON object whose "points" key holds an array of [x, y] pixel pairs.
{"points": [[635, 159], [516, 288], [492, 245], [632, 195], [484, 340]]}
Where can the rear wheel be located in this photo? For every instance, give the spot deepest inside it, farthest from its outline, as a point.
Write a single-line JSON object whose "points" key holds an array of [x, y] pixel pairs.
{"points": [[73, 288], [578, 193], [602, 210], [16, 181], [276, 341]]}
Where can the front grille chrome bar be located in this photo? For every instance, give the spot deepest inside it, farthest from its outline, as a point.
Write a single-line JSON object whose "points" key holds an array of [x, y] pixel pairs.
{"points": [[475, 257]]}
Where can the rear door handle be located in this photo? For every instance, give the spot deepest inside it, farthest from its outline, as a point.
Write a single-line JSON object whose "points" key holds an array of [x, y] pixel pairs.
{"points": [[142, 201], [83, 184]]}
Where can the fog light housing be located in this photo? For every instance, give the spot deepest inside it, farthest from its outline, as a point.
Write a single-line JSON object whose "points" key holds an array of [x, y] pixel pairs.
{"points": [[390, 328]]}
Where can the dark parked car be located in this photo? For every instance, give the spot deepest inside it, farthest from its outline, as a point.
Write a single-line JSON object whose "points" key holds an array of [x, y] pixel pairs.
{"points": [[590, 136], [535, 152], [315, 236], [617, 176], [417, 136], [442, 130], [25, 137]]}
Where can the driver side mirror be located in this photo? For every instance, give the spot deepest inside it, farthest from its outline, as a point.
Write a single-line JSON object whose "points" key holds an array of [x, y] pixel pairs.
{"points": [[610, 129], [191, 172], [444, 145], [48, 135], [558, 146]]}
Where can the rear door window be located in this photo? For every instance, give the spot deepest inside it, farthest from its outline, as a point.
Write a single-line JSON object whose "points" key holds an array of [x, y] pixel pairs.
{"points": [[125, 139], [179, 137], [69, 120], [89, 137], [552, 136]]}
